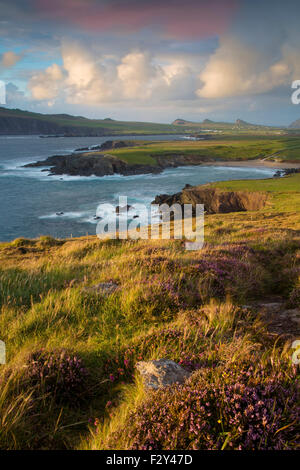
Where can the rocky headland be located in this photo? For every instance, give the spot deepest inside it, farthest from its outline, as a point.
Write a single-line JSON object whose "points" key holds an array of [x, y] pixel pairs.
{"points": [[214, 199], [90, 162]]}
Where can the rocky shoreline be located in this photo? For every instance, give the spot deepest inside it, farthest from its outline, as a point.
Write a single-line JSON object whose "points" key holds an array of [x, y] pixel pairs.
{"points": [[87, 161], [88, 164]]}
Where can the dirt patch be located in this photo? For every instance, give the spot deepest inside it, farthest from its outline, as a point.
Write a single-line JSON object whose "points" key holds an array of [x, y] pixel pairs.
{"points": [[279, 320]]}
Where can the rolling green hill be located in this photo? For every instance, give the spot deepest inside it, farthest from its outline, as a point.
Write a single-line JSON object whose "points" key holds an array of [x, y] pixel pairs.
{"points": [[19, 122], [16, 122]]}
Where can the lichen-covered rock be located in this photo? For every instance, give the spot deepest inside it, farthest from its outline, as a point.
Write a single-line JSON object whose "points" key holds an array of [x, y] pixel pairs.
{"points": [[161, 373], [103, 288]]}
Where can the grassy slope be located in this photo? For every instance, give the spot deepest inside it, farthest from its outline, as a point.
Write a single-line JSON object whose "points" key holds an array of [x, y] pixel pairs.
{"points": [[121, 127], [158, 311], [221, 148], [284, 193]]}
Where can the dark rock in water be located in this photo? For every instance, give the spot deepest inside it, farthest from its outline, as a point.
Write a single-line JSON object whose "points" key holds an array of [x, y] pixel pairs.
{"points": [[59, 213], [89, 165], [215, 200], [97, 217], [291, 171], [161, 373], [286, 172], [83, 149]]}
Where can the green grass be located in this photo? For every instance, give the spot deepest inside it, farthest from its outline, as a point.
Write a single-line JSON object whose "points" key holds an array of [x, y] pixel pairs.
{"points": [[287, 184], [162, 288], [283, 192], [219, 149]]}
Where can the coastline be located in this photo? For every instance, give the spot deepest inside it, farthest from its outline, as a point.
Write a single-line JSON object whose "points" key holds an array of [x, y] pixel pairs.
{"points": [[253, 164]]}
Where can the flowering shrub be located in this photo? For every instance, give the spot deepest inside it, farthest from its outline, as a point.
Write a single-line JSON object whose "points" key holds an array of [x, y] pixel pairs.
{"points": [[165, 294], [121, 367], [223, 275], [232, 416], [58, 374]]}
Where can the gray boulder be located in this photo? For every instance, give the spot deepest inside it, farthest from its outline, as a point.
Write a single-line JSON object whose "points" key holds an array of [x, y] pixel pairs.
{"points": [[103, 288], [161, 373]]}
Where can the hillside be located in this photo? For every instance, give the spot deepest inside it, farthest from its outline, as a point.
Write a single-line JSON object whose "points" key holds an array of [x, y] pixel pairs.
{"points": [[18, 122], [295, 124], [239, 124], [78, 314]]}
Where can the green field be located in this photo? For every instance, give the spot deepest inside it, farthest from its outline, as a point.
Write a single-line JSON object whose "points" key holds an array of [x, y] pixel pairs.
{"points": [[220, 148]]}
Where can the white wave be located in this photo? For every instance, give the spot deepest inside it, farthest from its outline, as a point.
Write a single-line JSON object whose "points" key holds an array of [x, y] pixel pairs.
{"points": [[65, 215]]}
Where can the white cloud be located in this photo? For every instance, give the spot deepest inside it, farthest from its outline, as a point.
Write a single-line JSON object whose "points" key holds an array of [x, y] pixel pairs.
{"points": [[45, 85], [233, 70], [85, 78], [137, 73], [236, 69]]}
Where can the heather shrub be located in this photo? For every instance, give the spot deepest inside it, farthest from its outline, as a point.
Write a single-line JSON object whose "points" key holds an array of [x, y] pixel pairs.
{"points": [[228, 273], [62, 376], [162, 295], [202, 415], [171, 342]]}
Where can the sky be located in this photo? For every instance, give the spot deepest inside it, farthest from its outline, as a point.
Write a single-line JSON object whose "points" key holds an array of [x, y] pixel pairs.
{"points": [[152, 60]]}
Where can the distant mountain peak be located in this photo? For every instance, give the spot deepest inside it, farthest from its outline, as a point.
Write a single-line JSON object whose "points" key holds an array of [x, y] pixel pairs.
{"points": [[295, 124], [180, 122], [240, 122]]}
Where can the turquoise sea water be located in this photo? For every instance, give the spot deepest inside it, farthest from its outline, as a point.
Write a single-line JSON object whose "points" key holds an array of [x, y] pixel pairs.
{"points": [[30, 199]]}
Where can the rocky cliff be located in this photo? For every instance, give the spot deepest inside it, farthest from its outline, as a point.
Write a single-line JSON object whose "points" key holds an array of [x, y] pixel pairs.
{"points": [[215, 200], [100, 164]]}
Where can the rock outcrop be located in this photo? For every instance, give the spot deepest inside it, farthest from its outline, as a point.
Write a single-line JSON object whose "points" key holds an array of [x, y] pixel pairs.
{"points": [[103, 288], [215, 200], [89, 163], [98, 165], [161, 373]]}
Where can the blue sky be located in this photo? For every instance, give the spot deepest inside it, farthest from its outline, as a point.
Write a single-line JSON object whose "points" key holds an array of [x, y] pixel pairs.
{"points": [[152, 60]]}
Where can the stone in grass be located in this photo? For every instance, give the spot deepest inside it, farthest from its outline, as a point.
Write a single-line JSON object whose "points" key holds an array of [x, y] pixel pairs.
{"points": [[161, 373], [103, 288]]}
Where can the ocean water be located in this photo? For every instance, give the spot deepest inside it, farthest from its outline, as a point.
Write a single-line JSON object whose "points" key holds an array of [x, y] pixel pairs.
{"points": [[30, 199]]}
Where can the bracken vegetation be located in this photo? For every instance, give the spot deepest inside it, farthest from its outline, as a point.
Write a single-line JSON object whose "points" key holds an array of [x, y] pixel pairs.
{"points": [[70, 380]]}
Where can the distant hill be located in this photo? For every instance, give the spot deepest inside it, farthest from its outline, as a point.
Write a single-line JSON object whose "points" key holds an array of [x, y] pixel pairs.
{"points": [[295, 124], [181, 122], [19, 122], [238, 124]]}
